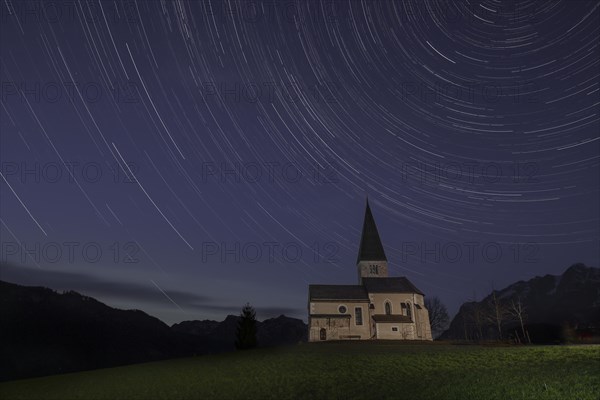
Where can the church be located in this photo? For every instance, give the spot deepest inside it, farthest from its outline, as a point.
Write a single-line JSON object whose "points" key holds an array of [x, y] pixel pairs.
{"points": [[379, 307]]}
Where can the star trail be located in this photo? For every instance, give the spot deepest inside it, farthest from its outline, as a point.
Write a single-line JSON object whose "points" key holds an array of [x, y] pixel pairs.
{"points": [[219, 152]]}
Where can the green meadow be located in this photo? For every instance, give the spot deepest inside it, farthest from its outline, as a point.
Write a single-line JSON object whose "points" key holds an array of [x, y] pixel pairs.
{"points": [[371, 370]]}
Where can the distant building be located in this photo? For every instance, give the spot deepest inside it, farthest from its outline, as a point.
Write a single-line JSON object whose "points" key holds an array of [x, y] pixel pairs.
{"points": [[379, 307]]}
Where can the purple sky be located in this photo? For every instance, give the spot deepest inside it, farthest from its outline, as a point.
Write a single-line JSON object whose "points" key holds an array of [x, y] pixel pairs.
{"points": [[186, 158]]}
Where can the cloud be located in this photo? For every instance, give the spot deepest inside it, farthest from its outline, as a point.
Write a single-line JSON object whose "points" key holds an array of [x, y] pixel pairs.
{"points": [[137, 295], [91, 285]]}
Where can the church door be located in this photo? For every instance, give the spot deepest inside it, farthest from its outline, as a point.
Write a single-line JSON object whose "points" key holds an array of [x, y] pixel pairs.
{"points": [[323, 334]]}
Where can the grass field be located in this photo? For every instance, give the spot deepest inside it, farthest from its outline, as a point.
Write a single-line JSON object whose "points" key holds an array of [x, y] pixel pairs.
{"points": [[341, 371]]}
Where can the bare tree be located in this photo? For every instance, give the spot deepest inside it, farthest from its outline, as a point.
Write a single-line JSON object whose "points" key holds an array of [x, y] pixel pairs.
{"points": [[517, 311], [438, 315], [497, 312], [477, 316]]}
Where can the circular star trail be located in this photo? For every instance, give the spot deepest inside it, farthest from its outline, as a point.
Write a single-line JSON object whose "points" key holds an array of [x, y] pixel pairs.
{"points": [[226, 148]]}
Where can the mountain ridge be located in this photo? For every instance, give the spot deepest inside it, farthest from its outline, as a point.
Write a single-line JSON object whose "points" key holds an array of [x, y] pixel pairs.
{"points": [[550, 303], [45, 332]]}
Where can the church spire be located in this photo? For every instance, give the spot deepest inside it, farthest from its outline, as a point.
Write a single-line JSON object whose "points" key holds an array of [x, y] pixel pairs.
{"points": [[371, 248]]}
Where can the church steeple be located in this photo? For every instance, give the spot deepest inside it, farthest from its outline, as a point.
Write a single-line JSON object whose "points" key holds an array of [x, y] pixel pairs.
{"points": [[371, 248], [371, 261]]}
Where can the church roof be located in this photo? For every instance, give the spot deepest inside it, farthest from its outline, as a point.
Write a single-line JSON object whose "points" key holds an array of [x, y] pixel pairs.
{"points": [[371, 248], [337, 292], [330, 315], [389, 285], [392, 318], [361, 292]]}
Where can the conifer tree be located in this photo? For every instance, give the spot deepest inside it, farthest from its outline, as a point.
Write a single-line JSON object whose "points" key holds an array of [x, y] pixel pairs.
{"points": [[246, 330]]}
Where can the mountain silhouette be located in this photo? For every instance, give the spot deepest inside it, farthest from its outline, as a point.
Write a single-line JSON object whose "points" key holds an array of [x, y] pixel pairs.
{"points": [[551, 303], [271, 332], [45, 332]]}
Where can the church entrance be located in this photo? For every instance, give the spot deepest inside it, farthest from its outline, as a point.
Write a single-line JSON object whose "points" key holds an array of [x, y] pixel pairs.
{"points": [[323, 334]]}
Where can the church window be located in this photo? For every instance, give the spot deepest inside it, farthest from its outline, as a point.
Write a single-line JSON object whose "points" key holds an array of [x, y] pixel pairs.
{"points": [[388, 308], [408, 310], [323, 334], [374, 269], [394, 329], [358, 315], [403, 309], [342, 309]]}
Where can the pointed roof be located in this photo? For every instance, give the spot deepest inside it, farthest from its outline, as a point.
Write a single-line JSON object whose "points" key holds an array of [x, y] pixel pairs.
{"points": [[371, 248]]}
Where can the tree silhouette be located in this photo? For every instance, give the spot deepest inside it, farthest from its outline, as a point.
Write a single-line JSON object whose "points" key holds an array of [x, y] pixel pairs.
{"points": [[246, 330], [496, 312], [438, 314], [518, 311], [477, 317]]}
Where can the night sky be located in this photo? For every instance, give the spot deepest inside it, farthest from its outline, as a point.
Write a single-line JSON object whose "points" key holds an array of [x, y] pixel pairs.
{"points": [[185, 158]]}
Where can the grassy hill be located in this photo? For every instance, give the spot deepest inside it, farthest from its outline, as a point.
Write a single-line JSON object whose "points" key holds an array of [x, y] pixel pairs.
{"points": [[374, 370]]}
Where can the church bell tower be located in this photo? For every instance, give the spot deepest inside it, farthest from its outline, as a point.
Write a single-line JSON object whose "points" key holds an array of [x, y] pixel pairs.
{"points": [[371, 262]]}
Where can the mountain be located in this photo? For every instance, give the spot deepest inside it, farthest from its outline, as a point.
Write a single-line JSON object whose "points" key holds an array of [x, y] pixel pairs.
{"points": [[271, 332], [553, 306], [45, 332], [196, 328], [282, 331]]}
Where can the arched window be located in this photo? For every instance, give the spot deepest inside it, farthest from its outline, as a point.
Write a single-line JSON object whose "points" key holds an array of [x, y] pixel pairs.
{"points": [[406, 309], [388, 308], [358, 315], [323, 334]]}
